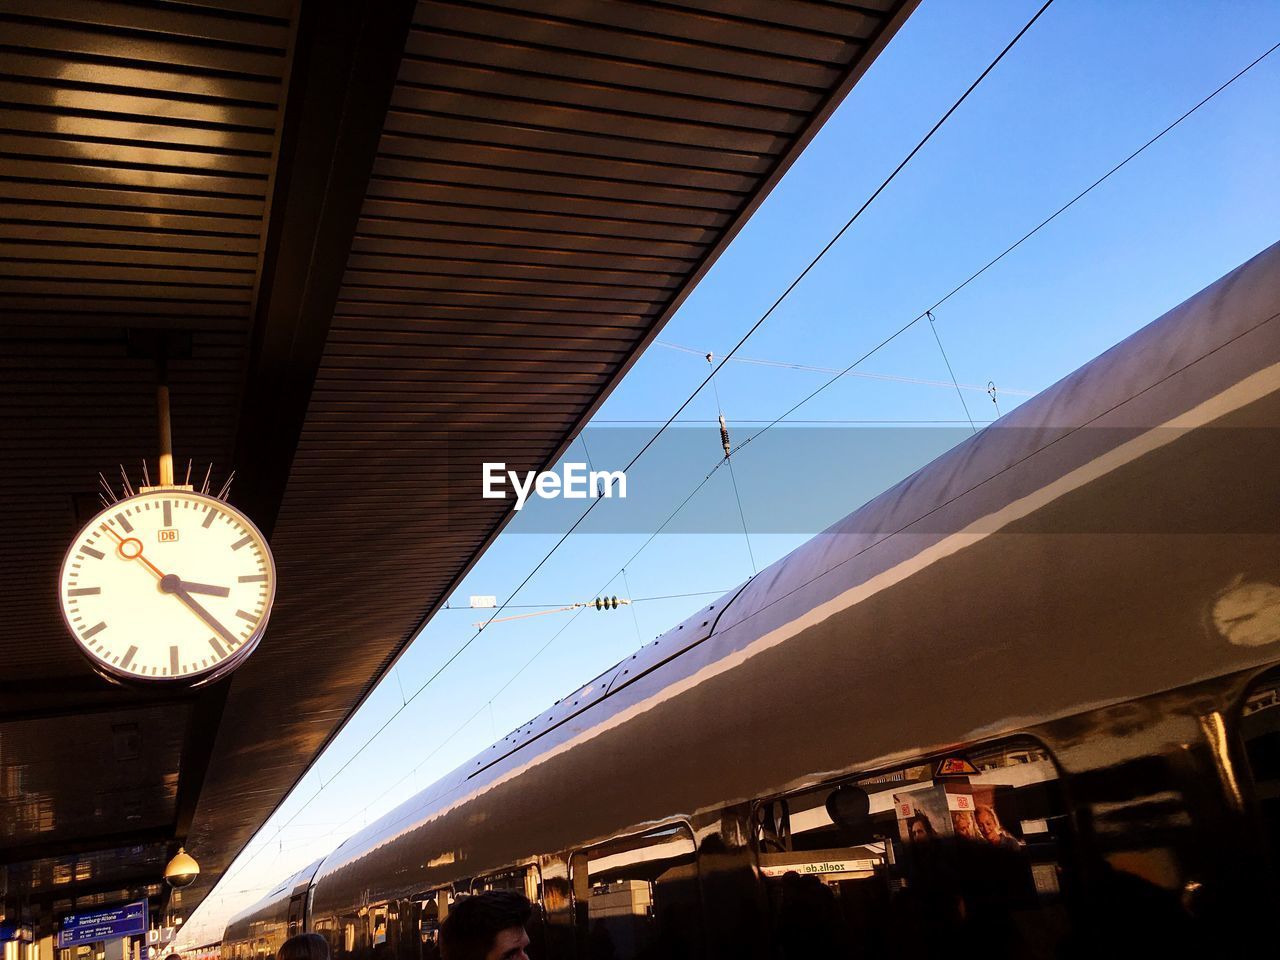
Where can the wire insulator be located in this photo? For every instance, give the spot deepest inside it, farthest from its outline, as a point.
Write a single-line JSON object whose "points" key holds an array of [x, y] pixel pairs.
{"points": [[724, 437]]}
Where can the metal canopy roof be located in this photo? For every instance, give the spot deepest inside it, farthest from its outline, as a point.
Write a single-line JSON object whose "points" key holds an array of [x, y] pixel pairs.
{"points": [[377, 227]]}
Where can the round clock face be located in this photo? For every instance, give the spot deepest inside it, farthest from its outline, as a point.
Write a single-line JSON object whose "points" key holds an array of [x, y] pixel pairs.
{"points": [[167, 586]]}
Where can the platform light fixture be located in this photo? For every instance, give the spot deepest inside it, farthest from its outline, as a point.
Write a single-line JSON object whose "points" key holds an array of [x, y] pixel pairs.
{"points": [[182, 870]]}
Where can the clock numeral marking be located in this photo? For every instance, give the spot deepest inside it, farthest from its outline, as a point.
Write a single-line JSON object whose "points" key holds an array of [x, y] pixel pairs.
{"points": [[247, 538], [217, 647], [209, 514], [168, 513], [252, 618], [120, 519], [173, 661], [84, 592], [256, 578], [127, 658], [95, 629], [96, 554]]}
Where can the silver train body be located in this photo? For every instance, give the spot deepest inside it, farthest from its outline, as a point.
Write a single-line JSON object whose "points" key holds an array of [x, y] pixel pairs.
{"points": [[1088, 591]]}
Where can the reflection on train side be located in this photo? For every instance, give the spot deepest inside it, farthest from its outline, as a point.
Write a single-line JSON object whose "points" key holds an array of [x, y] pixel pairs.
{"points": [[640, 896], [434, 908], [909, 863]]}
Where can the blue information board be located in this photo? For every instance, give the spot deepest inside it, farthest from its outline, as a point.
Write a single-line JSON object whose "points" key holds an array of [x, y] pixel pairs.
{"points": [[129, 920]]}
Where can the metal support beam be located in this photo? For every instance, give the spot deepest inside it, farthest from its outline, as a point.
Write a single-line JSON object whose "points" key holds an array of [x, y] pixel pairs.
{"points": [[345, 65], [345, 61]]}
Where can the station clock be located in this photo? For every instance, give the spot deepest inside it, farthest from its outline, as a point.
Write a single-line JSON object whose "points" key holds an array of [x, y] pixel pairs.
{"points": [[167, 586]]}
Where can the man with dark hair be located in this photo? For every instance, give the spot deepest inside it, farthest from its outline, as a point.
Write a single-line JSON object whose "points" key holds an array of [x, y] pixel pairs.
{"points": [[488, 926]]}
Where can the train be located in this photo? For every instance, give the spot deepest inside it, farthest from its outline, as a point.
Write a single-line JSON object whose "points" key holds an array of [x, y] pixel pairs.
{"points": [[1025, 703]]}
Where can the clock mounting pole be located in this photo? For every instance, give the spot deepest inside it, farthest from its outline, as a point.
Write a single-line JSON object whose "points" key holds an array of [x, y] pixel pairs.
{"points": [[162, 413]]}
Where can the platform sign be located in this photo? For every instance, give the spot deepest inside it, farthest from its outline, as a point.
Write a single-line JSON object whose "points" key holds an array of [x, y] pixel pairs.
{"points": [[127, 920]]}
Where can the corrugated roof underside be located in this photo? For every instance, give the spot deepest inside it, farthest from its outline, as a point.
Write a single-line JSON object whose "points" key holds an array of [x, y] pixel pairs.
{"points": [[551, 177]]}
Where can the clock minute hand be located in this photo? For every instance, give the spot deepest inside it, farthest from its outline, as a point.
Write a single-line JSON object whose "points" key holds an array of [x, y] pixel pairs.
{"points": [[171, 584]]}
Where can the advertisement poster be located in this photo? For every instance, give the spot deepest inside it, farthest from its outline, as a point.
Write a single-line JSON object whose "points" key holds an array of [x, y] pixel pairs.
{"points": [[960, 810]]}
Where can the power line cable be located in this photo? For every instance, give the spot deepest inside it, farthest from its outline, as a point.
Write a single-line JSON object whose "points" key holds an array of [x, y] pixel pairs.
{"points": [[809, 368], [541, 606], [844, 229], [1016, 244], [733, 477], [945, 359]]}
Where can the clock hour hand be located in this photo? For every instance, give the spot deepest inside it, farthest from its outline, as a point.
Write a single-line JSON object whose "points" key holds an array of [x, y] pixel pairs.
{"points": [[169, 583], [189, 587]]}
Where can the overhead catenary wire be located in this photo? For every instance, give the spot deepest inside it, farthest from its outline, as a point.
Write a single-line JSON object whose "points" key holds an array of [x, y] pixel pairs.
{"points": [[947, 360], [727, 446], [824, 420], [991, 390], [1019, 242], [666, 596], [844, 229], [648, 444], [862, 374]]}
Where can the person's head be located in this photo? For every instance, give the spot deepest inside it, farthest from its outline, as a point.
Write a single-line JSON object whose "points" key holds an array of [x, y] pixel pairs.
{"points": [[304, 946], [966, 826], [488, 926], [989, 824], [920, 828]]}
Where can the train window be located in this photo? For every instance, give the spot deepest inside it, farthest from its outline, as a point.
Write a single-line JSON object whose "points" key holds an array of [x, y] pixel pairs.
{"points": [[523, 880], [435, 908], [639, 898], [394, 930], [965, 849]]}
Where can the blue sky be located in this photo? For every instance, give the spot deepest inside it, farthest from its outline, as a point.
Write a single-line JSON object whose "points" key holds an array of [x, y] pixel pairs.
{"points": [[1091, 82]]}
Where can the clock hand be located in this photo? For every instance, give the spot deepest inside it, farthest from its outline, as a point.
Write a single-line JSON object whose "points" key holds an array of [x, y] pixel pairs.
{"points": [[131, 549], [171, 584], [206, 588]]}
